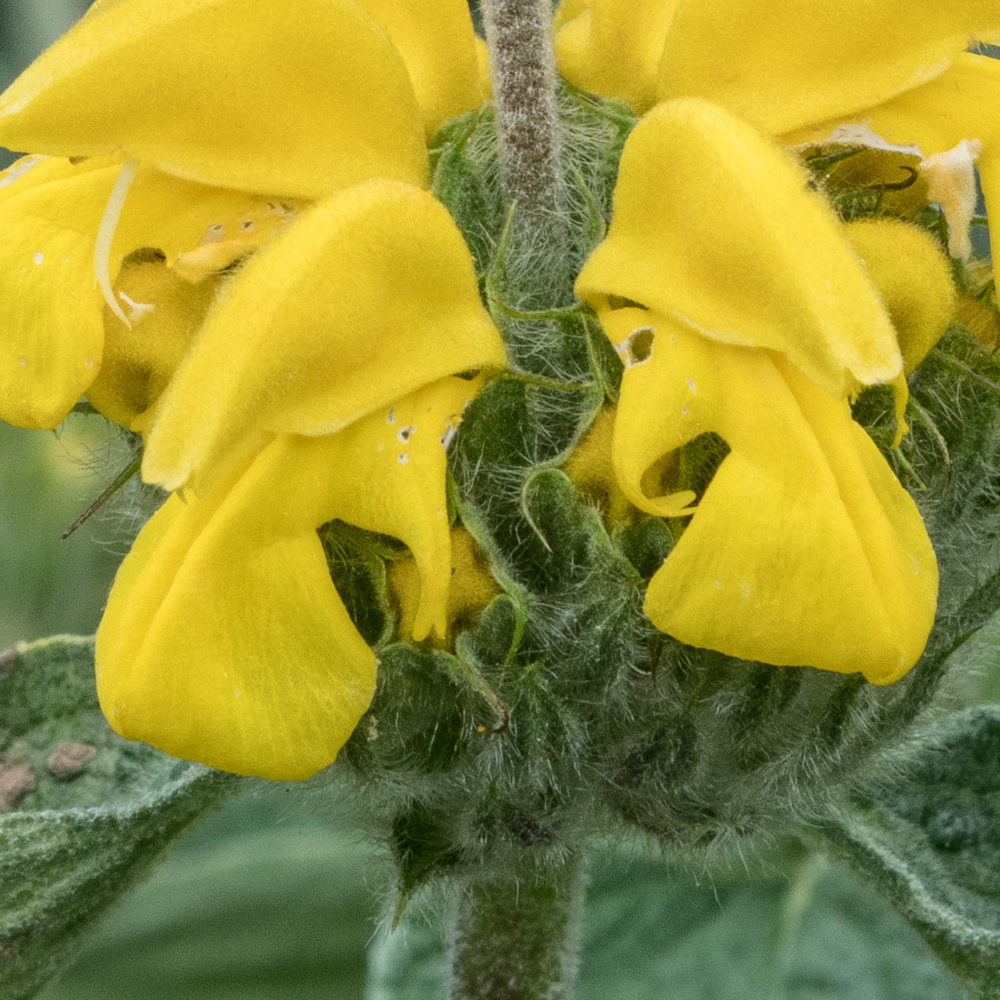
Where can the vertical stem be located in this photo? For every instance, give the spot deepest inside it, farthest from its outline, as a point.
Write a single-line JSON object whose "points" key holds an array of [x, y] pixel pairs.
{"points": [[522, 68], [518, 939]]}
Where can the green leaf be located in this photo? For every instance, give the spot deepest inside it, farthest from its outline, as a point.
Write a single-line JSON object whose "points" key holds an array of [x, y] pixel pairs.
{"points": [[87, 812], [268, 899], [810, 933], [931, 845]]}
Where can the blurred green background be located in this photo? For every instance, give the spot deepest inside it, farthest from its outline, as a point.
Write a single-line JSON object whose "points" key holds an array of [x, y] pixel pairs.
{"points": [[270, 898]]}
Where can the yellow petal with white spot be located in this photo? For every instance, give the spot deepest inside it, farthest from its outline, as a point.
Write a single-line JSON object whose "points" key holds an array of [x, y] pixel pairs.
{"points": [[784, 65], [387, 473], [51, 332], [303, 97], [224, 640], [804, 549], [366, 297], [713, 226]]}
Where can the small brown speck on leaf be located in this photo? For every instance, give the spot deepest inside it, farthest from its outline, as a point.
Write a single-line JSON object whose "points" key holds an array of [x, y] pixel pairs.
{"points": [[16, 780], [69, 759]]}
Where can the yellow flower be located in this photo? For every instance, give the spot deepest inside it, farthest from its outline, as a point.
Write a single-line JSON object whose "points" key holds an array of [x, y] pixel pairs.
{"points": [[800, 68], [224, 640], [955, 121], [740, 310], [781, 67], [237, 118], [281, 311]]}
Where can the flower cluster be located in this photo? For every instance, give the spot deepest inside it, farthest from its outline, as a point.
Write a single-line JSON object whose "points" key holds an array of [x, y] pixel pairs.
{"points": [[223, 237], [743, 307], [240, 263]]}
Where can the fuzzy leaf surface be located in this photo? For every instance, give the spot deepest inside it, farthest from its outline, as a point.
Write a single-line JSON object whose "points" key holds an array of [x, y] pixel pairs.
{"points": [[931, 846], [808, 933], [74, 843]]}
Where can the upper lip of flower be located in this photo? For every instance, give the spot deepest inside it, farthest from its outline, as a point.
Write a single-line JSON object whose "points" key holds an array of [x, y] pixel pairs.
{"points": [[120, 86], [782, 69]]}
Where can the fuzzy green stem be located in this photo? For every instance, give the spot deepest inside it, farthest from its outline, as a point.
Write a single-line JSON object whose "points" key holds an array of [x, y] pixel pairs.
{"points": [[518, 938], [522, 67]]}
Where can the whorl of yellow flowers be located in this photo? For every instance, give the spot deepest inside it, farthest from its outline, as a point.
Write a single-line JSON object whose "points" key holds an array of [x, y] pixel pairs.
{"points": [[222, 236]]}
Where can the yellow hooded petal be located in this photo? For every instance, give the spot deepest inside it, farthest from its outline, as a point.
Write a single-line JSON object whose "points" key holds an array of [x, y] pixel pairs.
{"points": [[302, 97], [369, 295], [50, 312], [713, 226], [784, 65], [438, 44], [613, 47], [804, 549], [224, 640]]}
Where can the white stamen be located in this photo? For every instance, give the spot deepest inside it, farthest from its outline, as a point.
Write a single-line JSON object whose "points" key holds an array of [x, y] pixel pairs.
{"points": [[38, 257], [951, 183], [106, 233], [136, 310]]}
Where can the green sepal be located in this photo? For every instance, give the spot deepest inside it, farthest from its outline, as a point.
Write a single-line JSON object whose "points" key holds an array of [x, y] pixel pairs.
{"points": [[496, 635], [930, 845], [512, 426], [75, 844], [422, 847], [570, 532], [646, 544], [429, 712]]}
